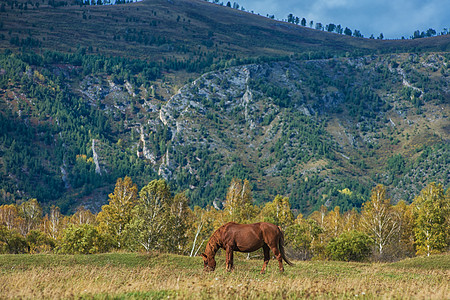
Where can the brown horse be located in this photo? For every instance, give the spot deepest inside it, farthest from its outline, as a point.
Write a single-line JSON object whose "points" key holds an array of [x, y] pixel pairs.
{"points": [[245, 238]]}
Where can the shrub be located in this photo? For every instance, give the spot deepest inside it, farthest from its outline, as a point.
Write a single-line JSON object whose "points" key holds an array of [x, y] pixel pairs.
{"points": [[12, 242], [350, 246], [83, 239], [38, 242]]}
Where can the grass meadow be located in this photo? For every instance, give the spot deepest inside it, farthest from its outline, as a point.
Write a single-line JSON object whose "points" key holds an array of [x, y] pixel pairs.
{"points": [[163, 276]]}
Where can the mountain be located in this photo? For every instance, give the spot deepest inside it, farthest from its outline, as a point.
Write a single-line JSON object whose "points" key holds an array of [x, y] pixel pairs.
{"points": [[198, 93]]}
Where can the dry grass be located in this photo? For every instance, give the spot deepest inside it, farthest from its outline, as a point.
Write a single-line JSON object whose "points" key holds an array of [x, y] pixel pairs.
{"points": [[169, 276]]}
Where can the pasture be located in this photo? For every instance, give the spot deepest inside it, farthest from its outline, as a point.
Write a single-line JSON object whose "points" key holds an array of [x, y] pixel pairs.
{"points": [[163, 276]]}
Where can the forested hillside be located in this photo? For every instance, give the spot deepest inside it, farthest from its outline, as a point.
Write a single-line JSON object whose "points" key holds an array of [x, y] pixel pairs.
{"points": [[71, 126], [161, 89]]}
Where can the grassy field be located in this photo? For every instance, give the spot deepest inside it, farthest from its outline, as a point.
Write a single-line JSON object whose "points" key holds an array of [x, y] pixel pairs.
{"points": [[162, 276]]}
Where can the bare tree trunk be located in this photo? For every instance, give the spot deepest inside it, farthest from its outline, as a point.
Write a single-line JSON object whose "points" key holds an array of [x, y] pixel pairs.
{"points": [[199, 228]]}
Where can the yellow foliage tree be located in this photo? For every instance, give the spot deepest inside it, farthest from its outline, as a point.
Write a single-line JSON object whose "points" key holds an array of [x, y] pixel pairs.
{"points": [[350, 220], [8, 215], [31, 214], [405, 241], [83, 216], [333, 224], [379, 220], [202, 225], [53, 224]]}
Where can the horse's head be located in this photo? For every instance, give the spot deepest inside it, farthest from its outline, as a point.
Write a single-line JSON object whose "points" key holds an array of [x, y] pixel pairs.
{"points": [[209, 263]]}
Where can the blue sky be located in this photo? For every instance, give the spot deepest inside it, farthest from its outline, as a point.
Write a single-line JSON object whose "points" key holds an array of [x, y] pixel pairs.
{"points": [[394, 18]]}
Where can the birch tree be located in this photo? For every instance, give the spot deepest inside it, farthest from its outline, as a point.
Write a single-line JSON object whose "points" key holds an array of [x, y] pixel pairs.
{"points": [[379, 220], [53, 223], [202, 226], [333, 223], [117, 213], [31, 213], [83, 216], [8, 215], [405, 240], [179, 212], [431, 219], [278, 212], [350, 220], [239, 202], [302, 235], [152, 218]]}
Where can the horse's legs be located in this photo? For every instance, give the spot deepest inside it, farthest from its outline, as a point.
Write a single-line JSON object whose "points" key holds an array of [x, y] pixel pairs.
{"points": [[266, 250], [279, 257], [229, 259]]}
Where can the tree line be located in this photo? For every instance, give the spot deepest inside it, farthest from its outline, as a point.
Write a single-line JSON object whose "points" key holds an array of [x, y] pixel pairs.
{"points": [[155, 219]]}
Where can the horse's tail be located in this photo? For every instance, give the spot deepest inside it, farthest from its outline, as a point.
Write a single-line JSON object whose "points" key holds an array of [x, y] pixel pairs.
{"points": [[281, 246]]}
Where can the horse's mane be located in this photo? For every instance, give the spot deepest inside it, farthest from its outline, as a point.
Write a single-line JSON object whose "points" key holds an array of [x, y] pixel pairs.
{"points": [[214, 242]]}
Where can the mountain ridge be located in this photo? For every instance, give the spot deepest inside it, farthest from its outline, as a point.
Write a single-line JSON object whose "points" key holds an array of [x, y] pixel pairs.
{"points": [[131, 27]]}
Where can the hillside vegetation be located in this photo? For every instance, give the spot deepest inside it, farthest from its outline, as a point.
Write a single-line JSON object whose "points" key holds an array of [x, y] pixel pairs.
{"points": [[161, 276], [161, 89]]}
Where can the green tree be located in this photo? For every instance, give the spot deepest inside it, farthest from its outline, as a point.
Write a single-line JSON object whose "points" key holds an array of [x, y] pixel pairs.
{"points": [[330, 27], [303, 22], [348, 31], [118, 212], [291, 18], [431, 219]]}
